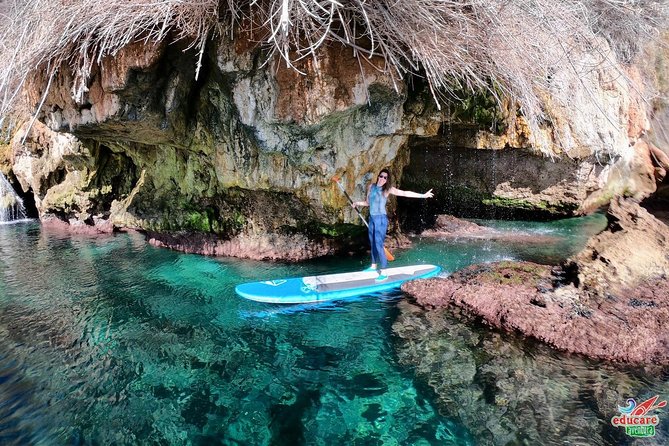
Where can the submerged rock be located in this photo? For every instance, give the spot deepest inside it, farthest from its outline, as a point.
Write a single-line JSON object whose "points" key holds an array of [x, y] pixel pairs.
{"points": [[610, 302], [506, 391], [291, 247], [450, 225]]}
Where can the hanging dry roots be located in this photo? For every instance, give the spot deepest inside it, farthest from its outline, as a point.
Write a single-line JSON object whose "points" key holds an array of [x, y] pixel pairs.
{"points": [[509, 47]]}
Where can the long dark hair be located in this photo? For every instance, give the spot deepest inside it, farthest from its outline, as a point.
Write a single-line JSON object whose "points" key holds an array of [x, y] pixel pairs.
{"points": [[386, 187]]}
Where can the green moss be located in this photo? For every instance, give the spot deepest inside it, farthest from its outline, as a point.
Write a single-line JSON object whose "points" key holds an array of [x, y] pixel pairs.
{"points": [[236, 221], [339, 230], [517, 203], [198, 221], [479, 108], [96, 192], [67, 198], [514, 203], [463, 197], [318, 229], [603, 199], [522, 267], [505, 278], [207, 220]]}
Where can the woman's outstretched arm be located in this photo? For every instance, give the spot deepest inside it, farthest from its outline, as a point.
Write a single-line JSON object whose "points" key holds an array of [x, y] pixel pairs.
{"points": [[408, 193]]}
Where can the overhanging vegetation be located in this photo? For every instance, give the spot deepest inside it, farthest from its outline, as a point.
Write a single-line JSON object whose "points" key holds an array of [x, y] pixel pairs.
{"points": [[508, 47]]}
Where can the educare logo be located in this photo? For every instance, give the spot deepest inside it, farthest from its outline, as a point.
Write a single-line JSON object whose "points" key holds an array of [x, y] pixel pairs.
{"points": [[635, 417]]}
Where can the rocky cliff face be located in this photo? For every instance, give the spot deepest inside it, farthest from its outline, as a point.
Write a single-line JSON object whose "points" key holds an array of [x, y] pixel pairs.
{"points": [[245, 154], [239, 161], [484, 162]]}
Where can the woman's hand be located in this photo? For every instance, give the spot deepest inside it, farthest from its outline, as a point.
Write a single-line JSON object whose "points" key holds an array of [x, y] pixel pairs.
{"points": [[428, 194]]}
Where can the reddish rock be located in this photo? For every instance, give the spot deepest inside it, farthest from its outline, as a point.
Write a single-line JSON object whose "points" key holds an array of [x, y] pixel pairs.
{"points": [[610, 302], [632, 250], [448, 226], [289, 247], [98, 227], [519, 297]]}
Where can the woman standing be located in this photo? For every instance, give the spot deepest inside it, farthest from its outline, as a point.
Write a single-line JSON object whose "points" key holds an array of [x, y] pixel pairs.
{"points": [[377, 197]]}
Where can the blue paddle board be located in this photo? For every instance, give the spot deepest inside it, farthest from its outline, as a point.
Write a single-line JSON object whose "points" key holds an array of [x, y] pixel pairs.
{"points": [[331, 286]]}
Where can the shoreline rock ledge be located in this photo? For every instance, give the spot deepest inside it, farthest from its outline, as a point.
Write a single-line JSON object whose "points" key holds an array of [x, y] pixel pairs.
{"points": [[610, 301]]}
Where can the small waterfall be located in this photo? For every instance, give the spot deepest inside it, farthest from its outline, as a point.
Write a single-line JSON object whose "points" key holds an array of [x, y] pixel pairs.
{"points": [[11, 205]]}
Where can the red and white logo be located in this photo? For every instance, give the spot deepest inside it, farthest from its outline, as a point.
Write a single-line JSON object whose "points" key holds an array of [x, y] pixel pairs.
{"points": [[636, 419]]}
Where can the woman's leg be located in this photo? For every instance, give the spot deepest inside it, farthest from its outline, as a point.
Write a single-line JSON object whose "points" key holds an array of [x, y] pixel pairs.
{"points": [[372, 244], [380, 228]]}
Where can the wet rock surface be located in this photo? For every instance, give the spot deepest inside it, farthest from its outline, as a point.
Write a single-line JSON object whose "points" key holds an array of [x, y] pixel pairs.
{"points": [[448, 226], [96, 226], [613, 305], [508, 183], [289, 247]]}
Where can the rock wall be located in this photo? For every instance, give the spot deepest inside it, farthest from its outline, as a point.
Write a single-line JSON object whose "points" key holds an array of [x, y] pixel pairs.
{"points": [[246, 153], [243, 156], [485, 162], [506, 183]]}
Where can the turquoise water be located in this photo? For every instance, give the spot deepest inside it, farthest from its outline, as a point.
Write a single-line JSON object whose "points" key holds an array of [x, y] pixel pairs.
{"points": [[111, 341]]}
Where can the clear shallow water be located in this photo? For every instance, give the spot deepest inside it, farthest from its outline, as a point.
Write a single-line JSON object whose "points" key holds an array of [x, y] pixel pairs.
{"points": [[112, 341]]}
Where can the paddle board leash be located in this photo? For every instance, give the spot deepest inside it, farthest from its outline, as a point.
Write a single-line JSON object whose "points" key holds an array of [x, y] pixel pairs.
{"points": [[389, 255]]}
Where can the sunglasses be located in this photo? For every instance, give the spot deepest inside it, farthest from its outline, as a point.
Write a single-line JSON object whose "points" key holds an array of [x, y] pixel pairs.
{"points": [[385, 177]]}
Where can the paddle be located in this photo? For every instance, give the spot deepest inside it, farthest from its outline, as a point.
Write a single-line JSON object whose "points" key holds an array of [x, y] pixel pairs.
{"points": [[389, 255]]}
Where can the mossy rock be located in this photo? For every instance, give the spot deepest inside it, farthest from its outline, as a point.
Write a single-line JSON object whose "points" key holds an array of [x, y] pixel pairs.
{"points": [[518, 203], [505, 273], [316, 229], [480, 109]]}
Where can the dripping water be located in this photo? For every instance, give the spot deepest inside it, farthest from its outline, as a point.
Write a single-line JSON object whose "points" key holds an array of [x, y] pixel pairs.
{"points": [[11, 205]]}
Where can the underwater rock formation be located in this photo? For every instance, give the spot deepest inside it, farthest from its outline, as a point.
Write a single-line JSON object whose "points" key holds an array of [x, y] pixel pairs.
{"points": [[506, 391], [611, 301]]}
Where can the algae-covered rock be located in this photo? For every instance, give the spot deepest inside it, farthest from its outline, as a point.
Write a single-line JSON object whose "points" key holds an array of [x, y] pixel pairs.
{"points": [[228, 160]]}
